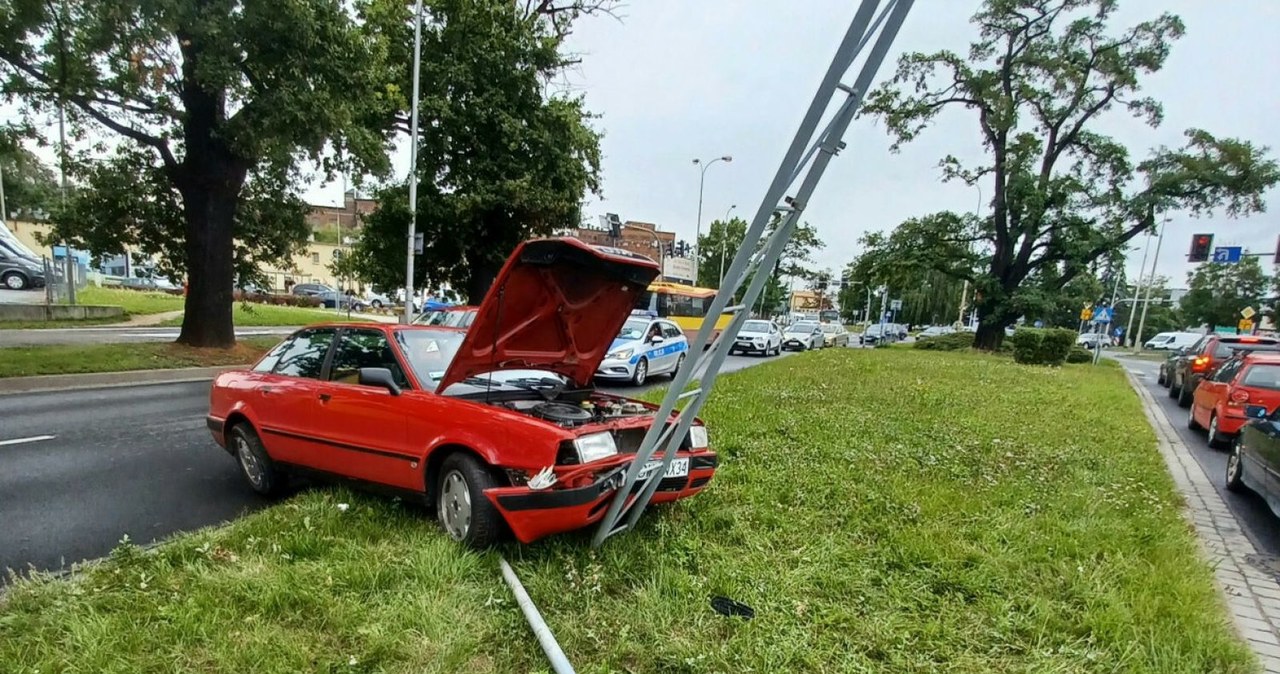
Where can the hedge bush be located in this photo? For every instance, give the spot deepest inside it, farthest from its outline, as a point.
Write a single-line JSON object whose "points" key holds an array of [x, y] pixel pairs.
{"points": [[278, 300], [1034, 346], [1079, 354], [956, 341]]}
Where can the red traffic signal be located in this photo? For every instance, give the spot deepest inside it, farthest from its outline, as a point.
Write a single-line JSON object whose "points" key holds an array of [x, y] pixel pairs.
{"points": [[1201, 246]]}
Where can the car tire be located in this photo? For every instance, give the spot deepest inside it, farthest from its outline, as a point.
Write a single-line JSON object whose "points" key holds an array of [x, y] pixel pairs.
{"points": [[462, 509], [255, 464], [15, 281], [641, 373], [1184, 395], [1174, 389], [1235, 469], [1160, 378], [679, 364], [377, 304], [1216, 439], [1191, 419]]}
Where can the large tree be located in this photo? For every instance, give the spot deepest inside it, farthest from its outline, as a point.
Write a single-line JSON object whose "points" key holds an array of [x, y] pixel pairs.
{"points": [[210, 105], [1218, 291], [793, 266], [1038, 79], [30, 187], [500, 158]]}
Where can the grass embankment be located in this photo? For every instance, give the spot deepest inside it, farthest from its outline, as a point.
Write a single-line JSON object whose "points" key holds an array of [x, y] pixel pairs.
{"points": [[881, 511], [264, 315], [23, 361], [135, 302]]}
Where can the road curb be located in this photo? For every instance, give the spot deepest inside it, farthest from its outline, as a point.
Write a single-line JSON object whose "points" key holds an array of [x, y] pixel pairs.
{"points": [[69, 382], [1252, 595]]}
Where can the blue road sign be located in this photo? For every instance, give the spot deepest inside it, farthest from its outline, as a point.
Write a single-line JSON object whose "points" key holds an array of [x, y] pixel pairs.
{"points": [[1119, 332], [1102, 315], [1227, 254]]}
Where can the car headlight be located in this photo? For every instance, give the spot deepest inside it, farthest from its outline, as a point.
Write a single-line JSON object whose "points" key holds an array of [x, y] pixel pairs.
{"points": [[620, 354], [698, 437], [595, 446]]}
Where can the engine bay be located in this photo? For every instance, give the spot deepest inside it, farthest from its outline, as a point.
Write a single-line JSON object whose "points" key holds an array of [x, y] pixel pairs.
{"points": [[595, 409]]}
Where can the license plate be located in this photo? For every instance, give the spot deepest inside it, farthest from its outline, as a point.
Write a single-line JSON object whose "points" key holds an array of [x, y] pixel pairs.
{"points": [[1256, 411], [678, 468]]}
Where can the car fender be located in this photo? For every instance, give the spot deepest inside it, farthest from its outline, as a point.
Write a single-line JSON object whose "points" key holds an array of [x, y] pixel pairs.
{"points": [[237, 412]]}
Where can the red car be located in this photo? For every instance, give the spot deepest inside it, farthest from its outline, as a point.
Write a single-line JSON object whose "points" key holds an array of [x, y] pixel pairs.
{"points": [[1245, 387], [494, 427]]}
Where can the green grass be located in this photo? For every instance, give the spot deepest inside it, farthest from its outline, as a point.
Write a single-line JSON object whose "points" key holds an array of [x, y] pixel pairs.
{"points": [[134, 301], [882, 511], [23, 361], [60, 323], [262, 315]]}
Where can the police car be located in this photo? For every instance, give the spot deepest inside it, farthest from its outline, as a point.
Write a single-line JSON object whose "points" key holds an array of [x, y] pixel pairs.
{"points": [[644, 346]]}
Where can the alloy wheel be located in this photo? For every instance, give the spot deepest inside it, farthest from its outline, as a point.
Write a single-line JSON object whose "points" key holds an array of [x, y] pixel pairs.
{"points": [[455, 505], [249, 462]]}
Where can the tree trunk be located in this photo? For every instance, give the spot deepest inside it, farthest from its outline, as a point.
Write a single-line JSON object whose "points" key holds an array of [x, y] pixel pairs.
{"points": [[483, 273], [992, 320], [210, 197]]}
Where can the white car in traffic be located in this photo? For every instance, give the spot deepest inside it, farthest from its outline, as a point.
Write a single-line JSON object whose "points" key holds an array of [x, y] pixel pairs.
{"points": [[644, 346], [761, 337], [802, 336]]}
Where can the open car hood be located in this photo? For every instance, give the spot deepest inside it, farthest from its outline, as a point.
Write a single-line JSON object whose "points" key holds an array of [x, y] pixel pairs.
{"points": [[557, 305]]}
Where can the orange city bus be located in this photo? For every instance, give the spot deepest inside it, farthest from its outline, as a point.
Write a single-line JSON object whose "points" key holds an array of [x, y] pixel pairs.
{"points": [[686, 306]]}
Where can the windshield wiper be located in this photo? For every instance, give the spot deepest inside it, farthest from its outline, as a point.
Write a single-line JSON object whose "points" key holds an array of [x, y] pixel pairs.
{"points": [[548, 388]]}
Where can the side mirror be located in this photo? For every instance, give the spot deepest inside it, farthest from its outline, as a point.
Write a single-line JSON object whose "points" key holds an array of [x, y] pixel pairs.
{"points": [[379, 376], [656, 339]]}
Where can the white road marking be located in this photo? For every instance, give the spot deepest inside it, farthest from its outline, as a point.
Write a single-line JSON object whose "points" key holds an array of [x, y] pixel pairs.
{"points": [[19, 441], [1140, 373]]}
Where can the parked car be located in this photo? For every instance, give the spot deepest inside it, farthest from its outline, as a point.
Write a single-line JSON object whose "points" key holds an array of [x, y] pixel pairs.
{"points": [[936, 331], [1093, 340], [877, 333], [20, 273], [1166, 366], [1205, 357], [834, 334], [310, 289], [802, 336], [453, 317], [332, 300], [762, 337], [154, 283], [378, 300], [1254, 461], [497, 428], [644, 346], [1221, 402]]}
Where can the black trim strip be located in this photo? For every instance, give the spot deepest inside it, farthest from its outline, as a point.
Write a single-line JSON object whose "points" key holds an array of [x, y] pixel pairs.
{"points": [[704, 461], [340, 445], [561, 498], [214, 423]]}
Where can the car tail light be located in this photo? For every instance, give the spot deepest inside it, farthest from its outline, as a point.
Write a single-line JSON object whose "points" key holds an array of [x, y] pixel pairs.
{"points": [[1200, 363], [1239, 396], [1248, 340]]}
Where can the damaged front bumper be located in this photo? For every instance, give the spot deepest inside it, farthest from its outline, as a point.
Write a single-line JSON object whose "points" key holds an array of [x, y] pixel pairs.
{"points": [[577, 501]]}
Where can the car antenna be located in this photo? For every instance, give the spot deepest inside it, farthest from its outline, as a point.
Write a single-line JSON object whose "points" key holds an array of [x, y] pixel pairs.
{"points": [[497, 328]]}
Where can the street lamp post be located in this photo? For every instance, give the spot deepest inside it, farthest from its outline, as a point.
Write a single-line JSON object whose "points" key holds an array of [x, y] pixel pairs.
{"points": [[702, 179], [724, 240], [413, 165]]}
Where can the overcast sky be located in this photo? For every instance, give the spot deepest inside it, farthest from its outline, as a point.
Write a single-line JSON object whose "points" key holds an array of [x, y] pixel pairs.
{"points": [[677, 80]]}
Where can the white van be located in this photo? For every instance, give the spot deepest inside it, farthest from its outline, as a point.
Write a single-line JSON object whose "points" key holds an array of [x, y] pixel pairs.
{"points": [[1172, 341]]}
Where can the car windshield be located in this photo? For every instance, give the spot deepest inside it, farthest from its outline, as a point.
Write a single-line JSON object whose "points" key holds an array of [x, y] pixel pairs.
{"points": [[872, 330], [755, 326], [1262, 375], [633, 329], [429, 352], [831, 327], [802, 326]]}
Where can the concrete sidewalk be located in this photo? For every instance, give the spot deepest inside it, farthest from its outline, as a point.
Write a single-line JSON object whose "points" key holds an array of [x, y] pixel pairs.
{"points": [[68, 382], [1252, 594]]}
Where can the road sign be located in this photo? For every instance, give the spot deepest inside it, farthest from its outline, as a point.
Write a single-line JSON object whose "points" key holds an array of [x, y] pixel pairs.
{"points": [[895, 305], [1227, 254], [1248, 312], [1119, 332], [419, 239], [1086, 313], [1102, 315], [1245, 325]]}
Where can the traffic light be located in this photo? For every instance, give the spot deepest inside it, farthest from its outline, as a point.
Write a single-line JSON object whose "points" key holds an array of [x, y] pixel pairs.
{"points": [[1201, 247]]}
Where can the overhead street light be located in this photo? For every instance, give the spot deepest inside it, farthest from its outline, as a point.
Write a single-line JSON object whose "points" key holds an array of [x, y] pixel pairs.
{"points": [[724, 242], [702, 179]]}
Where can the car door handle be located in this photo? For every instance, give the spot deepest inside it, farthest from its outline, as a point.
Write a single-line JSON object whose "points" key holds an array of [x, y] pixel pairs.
{"points": [[266, 390], [324, 397]]}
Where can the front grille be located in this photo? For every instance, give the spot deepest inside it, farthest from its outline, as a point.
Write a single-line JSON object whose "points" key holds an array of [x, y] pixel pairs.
{"points": [[628, 440]]}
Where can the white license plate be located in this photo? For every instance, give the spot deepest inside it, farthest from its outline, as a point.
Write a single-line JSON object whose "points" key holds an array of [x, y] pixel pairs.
{"points": [[678, 468]]}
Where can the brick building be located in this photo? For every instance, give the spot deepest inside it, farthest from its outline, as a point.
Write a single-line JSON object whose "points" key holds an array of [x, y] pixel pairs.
{"points": [[637, 237]]}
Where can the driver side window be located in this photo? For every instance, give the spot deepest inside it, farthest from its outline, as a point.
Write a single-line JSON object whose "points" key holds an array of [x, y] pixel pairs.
{"points": [[358, 349]]}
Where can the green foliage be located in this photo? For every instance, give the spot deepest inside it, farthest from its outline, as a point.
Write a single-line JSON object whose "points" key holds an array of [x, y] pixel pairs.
{"points": [[500, 160], [956, 341], [1049, 346], [1079, 354], [955, 537], [27, 361], [792, 266], [1039, 79], [929, 297], [213, 107], [30, 187], [1218, 291]]}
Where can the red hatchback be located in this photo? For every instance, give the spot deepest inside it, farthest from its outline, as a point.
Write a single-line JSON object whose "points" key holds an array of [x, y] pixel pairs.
{"points": [[494, 427], [1243, 388]]}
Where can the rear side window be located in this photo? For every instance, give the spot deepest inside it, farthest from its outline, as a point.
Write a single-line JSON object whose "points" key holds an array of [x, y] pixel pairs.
{"points": [[305, 355], [1228, 371], [268, 362], [1262, 375], [670, 331]]}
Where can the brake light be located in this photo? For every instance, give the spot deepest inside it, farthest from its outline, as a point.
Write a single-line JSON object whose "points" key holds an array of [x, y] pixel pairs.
{"points": [[1249, 339], [1239, 396], [1200, 363]]}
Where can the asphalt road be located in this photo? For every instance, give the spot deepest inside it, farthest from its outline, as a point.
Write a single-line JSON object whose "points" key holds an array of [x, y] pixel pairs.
{"points": [[29, 296], [1259, 523], [81, 469]]}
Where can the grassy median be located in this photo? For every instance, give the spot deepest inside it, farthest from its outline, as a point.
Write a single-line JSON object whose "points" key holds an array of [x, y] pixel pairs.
{"points": [[25, 361], [897, 511], [261, 315]]}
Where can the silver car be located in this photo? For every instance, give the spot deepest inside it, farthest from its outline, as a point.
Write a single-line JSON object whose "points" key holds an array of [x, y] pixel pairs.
{"points": [[802, 336]]}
